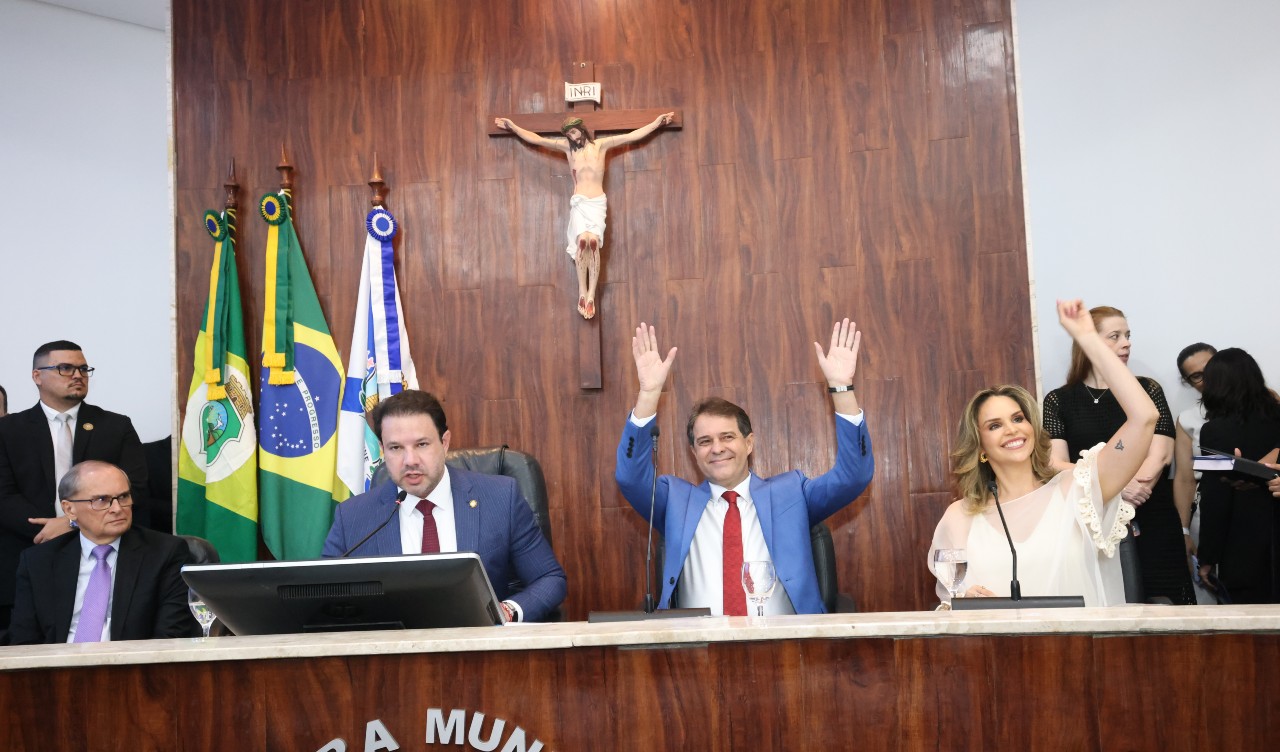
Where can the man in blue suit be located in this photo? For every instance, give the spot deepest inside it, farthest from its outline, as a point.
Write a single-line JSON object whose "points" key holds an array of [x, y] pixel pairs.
{"points": [[733, 516], [445, 509]]}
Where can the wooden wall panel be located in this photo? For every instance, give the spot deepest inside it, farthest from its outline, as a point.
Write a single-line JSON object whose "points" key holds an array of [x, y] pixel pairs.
{"points": [[838, 158]]}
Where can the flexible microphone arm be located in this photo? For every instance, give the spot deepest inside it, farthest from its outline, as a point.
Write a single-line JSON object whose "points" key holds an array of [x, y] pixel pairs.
{"points": [[649, 605], [400, 497], [1015, 588]]}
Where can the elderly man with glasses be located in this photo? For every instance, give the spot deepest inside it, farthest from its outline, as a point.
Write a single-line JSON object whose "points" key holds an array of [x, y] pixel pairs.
{"points": [[39, 445], [112, 581]]}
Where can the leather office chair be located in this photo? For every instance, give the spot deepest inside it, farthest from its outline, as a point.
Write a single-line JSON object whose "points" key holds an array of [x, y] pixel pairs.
{"points": [[202, 551], [528, 477], [505, 461], [824, 562]]}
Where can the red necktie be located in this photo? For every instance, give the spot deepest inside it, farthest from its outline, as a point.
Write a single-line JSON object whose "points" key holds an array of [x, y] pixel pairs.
{"points": [[735, 600], [430, 536]]}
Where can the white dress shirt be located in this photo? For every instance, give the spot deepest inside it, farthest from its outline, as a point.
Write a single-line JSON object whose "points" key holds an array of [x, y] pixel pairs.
{"points": [[701, 580], [411, 519], [87, 565]]}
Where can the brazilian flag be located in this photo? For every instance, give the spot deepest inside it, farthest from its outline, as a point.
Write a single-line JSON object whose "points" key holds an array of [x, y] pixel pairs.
{"points": [[299, 400], [217, 465]]}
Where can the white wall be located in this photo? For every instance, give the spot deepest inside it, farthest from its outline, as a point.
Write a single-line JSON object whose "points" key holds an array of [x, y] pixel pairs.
{"points": [[1151, 137], [86, 228]]}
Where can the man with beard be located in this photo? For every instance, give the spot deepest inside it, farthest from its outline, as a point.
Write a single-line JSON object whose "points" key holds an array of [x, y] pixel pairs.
{"points": [[39, 445], [429, 507], [587, 205]]}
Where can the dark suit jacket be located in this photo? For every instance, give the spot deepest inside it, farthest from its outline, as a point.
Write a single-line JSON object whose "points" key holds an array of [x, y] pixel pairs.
{"points": [[149, 600], [26, 473], [1239, 528], [500, 527], [787, 504]]}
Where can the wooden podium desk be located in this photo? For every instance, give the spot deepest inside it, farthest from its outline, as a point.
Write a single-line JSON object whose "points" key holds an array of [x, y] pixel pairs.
{"points": [[1128, 678]]}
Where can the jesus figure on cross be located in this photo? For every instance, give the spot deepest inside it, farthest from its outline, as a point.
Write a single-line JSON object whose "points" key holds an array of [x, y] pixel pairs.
{"points": [[587, 205]]}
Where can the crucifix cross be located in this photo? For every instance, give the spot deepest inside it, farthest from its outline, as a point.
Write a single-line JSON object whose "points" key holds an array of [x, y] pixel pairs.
{"points": [[588, 204]]}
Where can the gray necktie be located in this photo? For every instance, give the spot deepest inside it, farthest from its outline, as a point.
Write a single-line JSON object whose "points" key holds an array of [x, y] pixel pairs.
{"points": [[61, 457]]}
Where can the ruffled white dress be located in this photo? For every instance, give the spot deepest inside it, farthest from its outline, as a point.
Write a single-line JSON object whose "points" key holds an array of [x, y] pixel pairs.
{"points": [[1065, 532]]}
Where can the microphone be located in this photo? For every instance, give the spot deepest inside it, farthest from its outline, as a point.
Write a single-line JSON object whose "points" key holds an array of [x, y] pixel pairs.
{"points": [[649, 605], [400, 497], [1015, 589]]}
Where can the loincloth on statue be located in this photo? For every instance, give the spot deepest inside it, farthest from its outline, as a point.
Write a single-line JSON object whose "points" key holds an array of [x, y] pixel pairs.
{"points": [[585, 215]]}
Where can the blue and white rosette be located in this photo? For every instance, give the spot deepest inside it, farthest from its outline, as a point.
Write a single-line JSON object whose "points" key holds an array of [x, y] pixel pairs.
{"points": [[381, 225]]}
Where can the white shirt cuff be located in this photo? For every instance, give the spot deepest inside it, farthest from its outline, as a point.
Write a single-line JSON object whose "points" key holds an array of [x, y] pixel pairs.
{"points": [[642, 422], [519, 612], [854, 419]]}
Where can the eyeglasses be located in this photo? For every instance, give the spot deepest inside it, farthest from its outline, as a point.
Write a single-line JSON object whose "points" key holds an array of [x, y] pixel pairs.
{"points": [[1195, 378], [101, 503], [66, 369]]}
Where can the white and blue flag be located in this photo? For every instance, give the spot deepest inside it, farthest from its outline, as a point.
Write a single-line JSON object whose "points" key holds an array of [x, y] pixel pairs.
{"points": [[380, 364]]}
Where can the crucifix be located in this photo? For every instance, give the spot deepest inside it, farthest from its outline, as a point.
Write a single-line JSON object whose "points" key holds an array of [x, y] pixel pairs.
{"points": [[577, 130]]}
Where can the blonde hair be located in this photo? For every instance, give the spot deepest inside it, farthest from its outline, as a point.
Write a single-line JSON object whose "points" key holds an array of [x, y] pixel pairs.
{"points": [[971, 474]]}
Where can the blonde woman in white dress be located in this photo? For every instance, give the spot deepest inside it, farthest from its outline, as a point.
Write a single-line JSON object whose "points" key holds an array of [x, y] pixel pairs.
{"points": [[1066, 525]]}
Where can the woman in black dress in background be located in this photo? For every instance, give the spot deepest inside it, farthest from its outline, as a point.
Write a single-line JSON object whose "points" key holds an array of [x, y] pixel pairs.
{"points": [[1239, 527], [1083, 413]]}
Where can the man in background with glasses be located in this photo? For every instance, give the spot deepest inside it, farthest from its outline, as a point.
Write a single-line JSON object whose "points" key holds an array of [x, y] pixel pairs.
{"points": [[39, 445], [112, 581]]}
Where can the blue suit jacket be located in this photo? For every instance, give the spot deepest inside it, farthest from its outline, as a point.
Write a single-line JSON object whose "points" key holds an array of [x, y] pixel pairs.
{"points": [[788, 505], [500, 527]]}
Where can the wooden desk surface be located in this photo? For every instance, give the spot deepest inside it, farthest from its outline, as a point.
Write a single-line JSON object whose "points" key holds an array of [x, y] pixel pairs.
{"points": [[1122, 678]]}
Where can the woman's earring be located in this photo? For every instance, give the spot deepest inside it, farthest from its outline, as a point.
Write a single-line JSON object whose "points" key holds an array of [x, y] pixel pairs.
{"points": [[982, 456]]}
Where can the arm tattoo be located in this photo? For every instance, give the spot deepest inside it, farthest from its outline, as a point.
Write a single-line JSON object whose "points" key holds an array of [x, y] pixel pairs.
{"points": [[1119, 445]]}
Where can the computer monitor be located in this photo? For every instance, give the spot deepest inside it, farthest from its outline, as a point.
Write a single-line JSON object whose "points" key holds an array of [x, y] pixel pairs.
{"points": [[339, 595]]}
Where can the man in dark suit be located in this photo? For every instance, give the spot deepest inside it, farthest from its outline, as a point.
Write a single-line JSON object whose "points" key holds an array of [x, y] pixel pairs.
{"points": [[445, 509], [39, 445], [734, 516], [110, 582]]}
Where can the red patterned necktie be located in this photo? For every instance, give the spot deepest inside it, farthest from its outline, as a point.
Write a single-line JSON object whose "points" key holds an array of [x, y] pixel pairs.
{"points": [[735, 600], [430, 536]]}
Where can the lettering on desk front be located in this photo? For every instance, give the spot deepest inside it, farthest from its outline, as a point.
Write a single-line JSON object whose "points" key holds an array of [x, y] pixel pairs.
{"points": [[454, 729]]}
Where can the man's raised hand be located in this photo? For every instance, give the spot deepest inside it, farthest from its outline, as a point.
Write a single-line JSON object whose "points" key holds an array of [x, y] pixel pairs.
{"points": [[651, 368], [840, 361]]}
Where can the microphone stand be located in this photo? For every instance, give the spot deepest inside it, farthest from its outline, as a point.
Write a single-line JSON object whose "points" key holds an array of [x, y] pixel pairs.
{"points": [[1015, 588], [649, 605], [400, 497]]}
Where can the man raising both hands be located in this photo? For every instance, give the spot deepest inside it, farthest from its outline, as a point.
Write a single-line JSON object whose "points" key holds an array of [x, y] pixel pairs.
{"points": [[733, 516]]}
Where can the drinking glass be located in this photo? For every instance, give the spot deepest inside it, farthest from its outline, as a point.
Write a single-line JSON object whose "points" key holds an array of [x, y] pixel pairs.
{"points": [[203, 613], [951, 565], [758, 581]]}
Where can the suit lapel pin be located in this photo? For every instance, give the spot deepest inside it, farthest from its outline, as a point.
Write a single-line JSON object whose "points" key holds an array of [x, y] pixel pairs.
{"points": [[472, 504], [87, 426]]}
